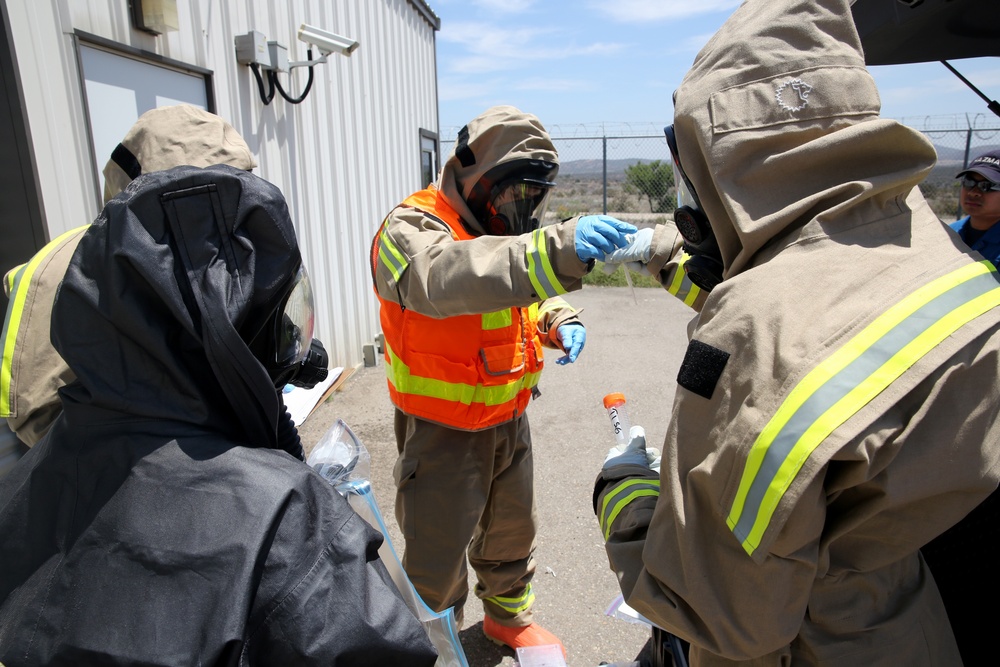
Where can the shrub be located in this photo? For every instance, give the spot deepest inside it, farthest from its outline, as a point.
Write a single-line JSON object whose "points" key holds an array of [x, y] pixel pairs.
{"points": [[598, 278]]}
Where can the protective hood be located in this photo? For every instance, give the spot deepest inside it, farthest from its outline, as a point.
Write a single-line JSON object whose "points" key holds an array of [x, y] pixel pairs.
{"points": [[499, 135], [172, 136], [777, 125], [164, 290]]}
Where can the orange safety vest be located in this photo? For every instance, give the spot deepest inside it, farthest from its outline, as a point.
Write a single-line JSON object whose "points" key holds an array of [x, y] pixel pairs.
{"points": [[468, 371]]}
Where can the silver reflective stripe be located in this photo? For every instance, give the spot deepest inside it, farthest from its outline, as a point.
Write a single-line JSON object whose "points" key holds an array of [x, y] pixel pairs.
{"points": [[827, 402], [540, 271], [681, 286], [391, 256]]}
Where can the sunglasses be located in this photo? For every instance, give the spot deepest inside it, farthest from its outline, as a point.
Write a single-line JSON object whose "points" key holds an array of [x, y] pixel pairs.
{"points": [[983, 186]]}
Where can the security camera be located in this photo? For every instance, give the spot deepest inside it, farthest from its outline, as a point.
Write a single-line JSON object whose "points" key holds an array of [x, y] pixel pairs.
{"points": [[326, 42]]}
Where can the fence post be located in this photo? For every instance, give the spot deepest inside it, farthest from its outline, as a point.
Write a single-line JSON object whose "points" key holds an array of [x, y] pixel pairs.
{"points": [[965, 163], [604, 170], [968, 147]]}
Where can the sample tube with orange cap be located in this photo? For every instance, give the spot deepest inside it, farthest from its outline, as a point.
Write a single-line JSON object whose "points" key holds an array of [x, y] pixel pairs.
{"points": [[615, 404]]}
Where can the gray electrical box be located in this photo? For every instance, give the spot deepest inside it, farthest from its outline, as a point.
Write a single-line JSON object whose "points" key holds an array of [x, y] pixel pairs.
{"points": [[279, 56], [253, 48], [368, 352]]}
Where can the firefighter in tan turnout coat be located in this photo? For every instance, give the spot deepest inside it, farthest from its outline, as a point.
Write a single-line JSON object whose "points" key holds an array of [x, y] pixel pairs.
{"points": [[470, 291], [836, 407]]}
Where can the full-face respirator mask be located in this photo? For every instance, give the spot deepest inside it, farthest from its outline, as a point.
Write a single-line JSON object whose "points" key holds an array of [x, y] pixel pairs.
{"points": [[511, 198], [704, 268], [285, 345]]}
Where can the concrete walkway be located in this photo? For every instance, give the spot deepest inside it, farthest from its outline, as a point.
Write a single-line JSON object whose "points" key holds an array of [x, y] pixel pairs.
{"points": [[633, 348]]}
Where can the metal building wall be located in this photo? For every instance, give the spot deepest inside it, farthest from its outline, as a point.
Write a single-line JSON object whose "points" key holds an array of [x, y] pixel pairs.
{"points": [[342, 158]]}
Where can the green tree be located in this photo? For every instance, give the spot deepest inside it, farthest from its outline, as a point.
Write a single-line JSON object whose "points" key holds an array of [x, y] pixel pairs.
{"points": [[653, 180]]}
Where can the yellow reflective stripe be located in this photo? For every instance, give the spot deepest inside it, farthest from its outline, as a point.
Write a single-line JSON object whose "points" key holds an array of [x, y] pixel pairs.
{"points": [[515, 605], [643, 488], [681, 286], [399, 375], [679, 274], [692, 295], [389, 255], [498, 320], [15, 311], [847, 381], [540, 271], [12, 277], [534, 311]]}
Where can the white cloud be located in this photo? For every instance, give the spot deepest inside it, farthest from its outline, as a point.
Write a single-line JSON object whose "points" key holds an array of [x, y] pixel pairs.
{"points": [[637, 11], [691, 44], [505, 6], [555, 85], [451, 90], [470, 88], [493, 49], [899, 94], [480, 37], [982, 79], [931, 89]]}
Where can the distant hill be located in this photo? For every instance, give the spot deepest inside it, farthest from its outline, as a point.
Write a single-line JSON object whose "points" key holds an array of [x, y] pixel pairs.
{"points": [[947, 157], [591, 168]]}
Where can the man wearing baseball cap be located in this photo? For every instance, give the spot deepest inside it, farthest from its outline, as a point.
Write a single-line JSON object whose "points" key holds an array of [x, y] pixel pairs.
{"points": [[981, 203]]}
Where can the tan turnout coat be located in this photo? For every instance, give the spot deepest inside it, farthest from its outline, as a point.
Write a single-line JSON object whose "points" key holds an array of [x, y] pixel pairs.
{"points": [[837, 406]]}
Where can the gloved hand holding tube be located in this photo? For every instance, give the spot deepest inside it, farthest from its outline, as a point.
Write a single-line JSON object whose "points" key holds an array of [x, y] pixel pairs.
{"points": [[635, 255], [573, 337], [598, 235], [631, 447], [634, 453]]}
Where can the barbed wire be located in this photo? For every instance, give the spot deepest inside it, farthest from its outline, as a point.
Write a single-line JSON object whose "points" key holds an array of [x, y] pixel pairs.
{"points": [[984, 124]]}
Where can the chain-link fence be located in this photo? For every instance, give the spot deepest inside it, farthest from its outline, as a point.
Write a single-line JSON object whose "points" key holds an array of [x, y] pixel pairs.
{"points": [[631, 177]]}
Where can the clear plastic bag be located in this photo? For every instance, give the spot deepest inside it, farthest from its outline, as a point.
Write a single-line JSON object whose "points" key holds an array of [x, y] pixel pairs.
{"points": [[344, 462], [621, 610]]}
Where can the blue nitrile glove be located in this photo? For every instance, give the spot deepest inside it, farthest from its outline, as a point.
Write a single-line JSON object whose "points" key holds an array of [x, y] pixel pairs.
{"points": [[636, 254], [597, 235], [573, 337], [634, 453]]}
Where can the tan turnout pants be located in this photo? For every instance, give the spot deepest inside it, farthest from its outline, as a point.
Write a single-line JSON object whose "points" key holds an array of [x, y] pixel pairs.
{"points": [[467, 493]]}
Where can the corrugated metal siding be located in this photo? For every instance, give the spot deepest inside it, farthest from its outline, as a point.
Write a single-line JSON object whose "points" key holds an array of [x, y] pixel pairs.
{"points": [[54, 106], [342, 158]]}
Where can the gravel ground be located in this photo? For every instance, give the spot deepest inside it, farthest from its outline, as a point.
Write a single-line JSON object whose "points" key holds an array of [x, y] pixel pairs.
{"points": [[633, 348]]}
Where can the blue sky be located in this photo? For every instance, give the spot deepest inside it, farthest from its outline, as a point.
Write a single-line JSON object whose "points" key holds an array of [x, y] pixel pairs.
{"points": [[581, 64]]}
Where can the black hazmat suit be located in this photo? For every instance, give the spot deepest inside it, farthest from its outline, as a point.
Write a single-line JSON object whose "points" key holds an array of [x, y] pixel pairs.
{"points": [[157, 523]]}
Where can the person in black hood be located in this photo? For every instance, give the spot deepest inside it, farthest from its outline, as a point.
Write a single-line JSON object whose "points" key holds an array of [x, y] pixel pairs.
{"points": [[157, 523], [31, 371]]}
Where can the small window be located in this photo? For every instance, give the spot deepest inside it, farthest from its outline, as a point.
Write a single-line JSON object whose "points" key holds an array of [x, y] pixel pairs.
{"points": [[428, 157]]}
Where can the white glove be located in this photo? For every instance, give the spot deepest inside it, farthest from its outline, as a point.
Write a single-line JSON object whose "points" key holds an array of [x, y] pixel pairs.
{"points": [[635, 255], [653, 458], [634, 453]]}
